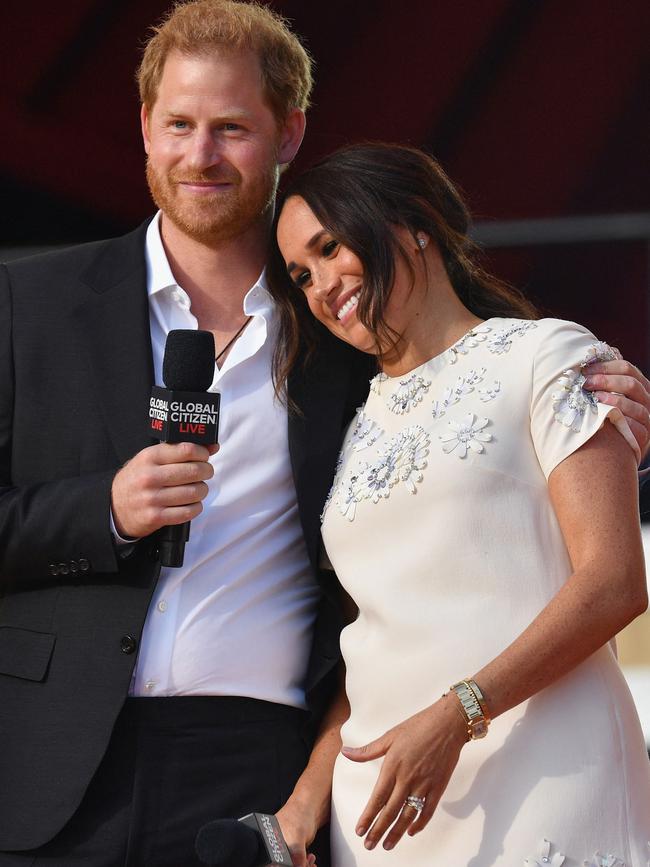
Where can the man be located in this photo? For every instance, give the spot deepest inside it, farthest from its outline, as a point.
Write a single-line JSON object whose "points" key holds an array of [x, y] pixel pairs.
{"points": [[138, 703]]}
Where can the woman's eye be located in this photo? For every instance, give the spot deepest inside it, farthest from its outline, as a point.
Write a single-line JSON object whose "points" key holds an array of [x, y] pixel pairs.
{"points": [[330, 247], [302, 279]]}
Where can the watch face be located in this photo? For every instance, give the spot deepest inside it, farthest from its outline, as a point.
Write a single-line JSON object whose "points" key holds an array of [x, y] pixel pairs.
{"points": [[478, 729]]}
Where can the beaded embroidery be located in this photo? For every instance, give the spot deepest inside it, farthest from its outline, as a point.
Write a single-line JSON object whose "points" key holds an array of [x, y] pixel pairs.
{"points": [[490, 391], [600, 351], [544, 856], [469, 341], [466, 434], [365, 434], [408, 394], [450, 396], [572, 401], [402, 460], [604, 861], [501, 341]]}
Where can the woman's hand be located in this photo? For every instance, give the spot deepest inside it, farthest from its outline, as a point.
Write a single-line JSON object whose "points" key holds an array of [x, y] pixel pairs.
{"points": [[621, 384], [420, 756], [298, 831]]}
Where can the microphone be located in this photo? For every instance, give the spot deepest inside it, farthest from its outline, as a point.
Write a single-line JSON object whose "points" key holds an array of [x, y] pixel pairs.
{"points": [[184, 411], [254, 840]]}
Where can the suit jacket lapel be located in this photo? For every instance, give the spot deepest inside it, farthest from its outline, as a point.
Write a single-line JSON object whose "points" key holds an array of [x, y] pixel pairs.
{"points": [[113, 323], [315, 436]]}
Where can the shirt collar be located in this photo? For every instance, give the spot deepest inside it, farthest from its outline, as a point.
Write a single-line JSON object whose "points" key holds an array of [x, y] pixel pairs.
{"points": [[159, 274], [257, 301]]}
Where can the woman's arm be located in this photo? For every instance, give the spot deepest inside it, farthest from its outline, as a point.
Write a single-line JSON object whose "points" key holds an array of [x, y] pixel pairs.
{"points": [[594, 493]]}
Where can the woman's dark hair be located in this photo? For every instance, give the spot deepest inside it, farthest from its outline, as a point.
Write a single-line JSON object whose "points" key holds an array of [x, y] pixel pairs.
{"points": [[360, 194]]}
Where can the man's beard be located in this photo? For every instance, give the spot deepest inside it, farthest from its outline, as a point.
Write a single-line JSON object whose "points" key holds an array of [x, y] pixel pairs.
{"points": [[216, 217]]}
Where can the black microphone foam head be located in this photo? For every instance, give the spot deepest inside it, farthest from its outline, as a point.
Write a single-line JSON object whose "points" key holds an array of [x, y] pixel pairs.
{"points": [[227, 843], [188, 363]]}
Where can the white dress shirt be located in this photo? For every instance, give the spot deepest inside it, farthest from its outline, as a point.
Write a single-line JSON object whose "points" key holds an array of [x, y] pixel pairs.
{"points": [[237, 617]]}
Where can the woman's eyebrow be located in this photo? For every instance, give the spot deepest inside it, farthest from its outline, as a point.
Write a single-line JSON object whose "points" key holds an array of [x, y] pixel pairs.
{"points": [[310, 243]]}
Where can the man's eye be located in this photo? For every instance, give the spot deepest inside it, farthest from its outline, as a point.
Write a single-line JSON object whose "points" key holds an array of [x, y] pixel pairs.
{"points": [[330, 247], [231, 127], [180, 124]]}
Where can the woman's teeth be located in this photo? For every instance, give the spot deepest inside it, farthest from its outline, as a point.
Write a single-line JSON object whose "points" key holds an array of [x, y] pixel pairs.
{"points": [[350, 304]]}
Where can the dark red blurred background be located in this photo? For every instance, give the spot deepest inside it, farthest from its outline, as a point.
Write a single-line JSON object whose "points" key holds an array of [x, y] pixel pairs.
{"points": [[537, 108]]}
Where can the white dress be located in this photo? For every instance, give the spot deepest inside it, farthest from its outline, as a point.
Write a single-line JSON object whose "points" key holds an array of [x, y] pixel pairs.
{"points": [[440, 526]]}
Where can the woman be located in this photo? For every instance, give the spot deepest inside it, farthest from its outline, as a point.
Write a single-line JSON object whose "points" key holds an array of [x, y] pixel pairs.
{"points": [[484, 519]]}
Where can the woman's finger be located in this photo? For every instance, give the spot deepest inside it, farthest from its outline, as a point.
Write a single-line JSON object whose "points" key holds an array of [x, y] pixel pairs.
{"points": [[377, 801], [386, 818], [405, 820], [625, 385], [368, 752], [427, 812]]}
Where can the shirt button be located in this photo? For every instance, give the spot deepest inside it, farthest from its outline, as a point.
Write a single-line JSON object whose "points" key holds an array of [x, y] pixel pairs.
{"points": [[150, 684], [162, 605], [128, 644]]}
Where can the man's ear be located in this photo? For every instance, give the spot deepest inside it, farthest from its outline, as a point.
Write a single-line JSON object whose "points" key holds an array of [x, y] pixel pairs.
{"points": [[144, 125], [291, 135]]}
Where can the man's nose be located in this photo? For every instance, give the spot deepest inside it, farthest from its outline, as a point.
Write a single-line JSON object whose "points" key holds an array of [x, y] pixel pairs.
{"points": [[205, 151]]}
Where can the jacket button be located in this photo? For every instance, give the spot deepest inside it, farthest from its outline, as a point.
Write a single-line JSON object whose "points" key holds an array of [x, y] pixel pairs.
{"points": [[74, 566], [53, 569], [84, 565], [128, 644], [64, 569]]}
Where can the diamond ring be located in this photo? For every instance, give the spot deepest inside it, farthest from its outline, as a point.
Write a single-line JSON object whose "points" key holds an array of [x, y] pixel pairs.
{"points": [[416, 802]]}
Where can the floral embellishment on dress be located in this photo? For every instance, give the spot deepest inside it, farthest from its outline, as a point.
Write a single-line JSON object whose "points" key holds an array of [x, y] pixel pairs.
{"points": [[490, 391], [571, 401], [466, 434], [464, 385], [348, 496], [402, 460], [413, 447], [468, 341], [408, 394], [600, 351], [366, 432], [604, 861], [544, 856], [501, 341], [376, 381]]}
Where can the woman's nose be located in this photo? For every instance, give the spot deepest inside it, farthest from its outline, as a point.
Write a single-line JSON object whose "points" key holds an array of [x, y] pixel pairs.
{"points": [[327, 281]]}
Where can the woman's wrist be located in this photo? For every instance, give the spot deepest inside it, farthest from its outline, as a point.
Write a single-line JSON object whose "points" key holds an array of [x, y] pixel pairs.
{"points": [[471, 703], [455, 715]]}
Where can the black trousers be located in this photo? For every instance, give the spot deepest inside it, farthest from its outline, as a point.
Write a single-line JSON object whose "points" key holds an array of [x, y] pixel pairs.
{"points": [[173, 764]]}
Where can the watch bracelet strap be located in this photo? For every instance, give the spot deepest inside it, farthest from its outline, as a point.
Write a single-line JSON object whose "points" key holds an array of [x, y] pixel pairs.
{"points": [[472, 705]]}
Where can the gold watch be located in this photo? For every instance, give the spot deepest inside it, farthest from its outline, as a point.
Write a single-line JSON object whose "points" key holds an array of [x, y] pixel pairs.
{"points": [[474, 708]]}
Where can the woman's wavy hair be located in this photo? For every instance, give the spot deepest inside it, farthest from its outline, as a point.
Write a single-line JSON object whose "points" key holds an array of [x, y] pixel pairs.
{"points": [[360, 194]]}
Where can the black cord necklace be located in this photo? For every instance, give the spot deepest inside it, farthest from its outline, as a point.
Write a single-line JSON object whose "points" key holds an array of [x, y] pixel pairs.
{"points": [[232, 339]]}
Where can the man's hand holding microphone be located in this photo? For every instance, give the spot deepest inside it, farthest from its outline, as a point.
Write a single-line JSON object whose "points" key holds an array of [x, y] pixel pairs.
{"points": [[163, 486]]}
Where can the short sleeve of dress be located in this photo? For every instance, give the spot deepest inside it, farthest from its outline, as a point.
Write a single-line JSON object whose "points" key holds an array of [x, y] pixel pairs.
{"points": [[563, 414]]}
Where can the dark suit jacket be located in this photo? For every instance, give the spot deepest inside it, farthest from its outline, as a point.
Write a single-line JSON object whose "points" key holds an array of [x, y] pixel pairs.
{"points": [[75, 379]]}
